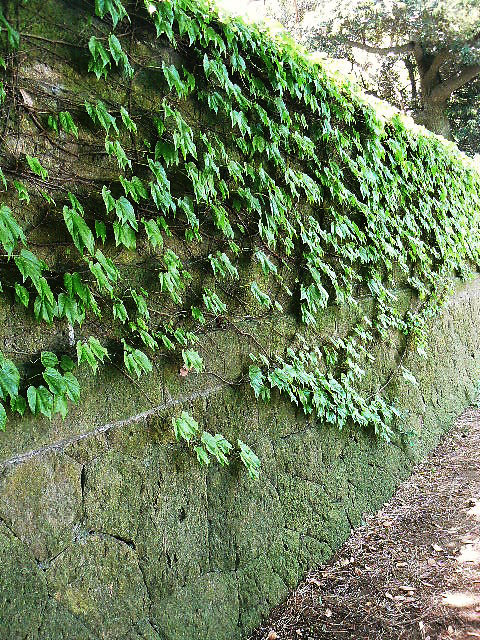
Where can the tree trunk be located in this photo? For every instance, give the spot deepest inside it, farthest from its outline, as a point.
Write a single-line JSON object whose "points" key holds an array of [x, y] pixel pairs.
{"points": [[434, 117]]}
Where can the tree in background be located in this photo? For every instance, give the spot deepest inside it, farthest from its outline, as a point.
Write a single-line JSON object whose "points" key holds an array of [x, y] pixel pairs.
{"points": [[421, 55], [464, 116]]}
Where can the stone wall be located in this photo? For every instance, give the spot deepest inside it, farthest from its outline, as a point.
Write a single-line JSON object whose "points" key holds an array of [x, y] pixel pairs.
{"points": [[110, 529]]}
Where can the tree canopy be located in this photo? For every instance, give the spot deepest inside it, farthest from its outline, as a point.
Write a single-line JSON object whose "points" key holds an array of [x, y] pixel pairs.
{"points": [[436, 42]]}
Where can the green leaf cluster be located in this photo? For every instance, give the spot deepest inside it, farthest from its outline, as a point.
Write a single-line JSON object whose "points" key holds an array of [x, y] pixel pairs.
{"points": [[300, 176]]}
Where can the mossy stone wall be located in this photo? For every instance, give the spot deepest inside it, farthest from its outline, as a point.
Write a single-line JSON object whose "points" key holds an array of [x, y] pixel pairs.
{"points": [[110, 529]]}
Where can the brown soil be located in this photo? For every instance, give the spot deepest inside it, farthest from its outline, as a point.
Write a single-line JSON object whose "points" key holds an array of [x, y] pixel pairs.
{"points": [[412, 571]]}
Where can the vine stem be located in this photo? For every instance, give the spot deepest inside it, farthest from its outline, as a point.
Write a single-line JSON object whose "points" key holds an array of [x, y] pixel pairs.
{"points": [[61, 445], [32, 36], [133, 381]]}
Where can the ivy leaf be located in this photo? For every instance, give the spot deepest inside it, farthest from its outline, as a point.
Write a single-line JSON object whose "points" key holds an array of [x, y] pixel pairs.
{"points": [[153, 233], [185, 427], [19, 404], [186, 204], [217, 446], [100, 61], [68, 308], [3, 417], [119, 55], [141, 304], [44, 309], [108, 266], [52, 122], [261, 297], [267, 265], [124, 234], [99, 113], [67, 123], [97, 348], [202, 456], [66, 363], [31, 267], [10, 231], [127, 121], [22, 191], [126, 212], [75, 287], [250, 460], [198, 315], [79, 230], [84, 354], [119, 311], [100, 230], [116, 149], [75, 203], [114, 7], [36, 167], [60, 406], [72, 386], [40, 400], [135, 188], [91, 352], [55, 381], [213, 303], [192, 360], [174, 81], [256, 379], [48, 359], [167, 151], [108, 199], [22, 294], [222, 265], [136, 362], [9, 378], [161, 188]]}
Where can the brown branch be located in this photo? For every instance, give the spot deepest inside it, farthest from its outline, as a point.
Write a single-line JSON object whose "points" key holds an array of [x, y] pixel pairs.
{"points": [[419, 55], [444, 90], [409, 64], [297, 19], [441, 57], [33, 36], [384, 51]]}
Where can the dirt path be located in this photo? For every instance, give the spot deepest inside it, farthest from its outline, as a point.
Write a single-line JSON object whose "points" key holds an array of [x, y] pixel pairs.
{"points": [[413, 571]]}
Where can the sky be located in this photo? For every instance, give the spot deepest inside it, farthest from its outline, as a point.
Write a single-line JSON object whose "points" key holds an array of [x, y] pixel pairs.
{"points": [[250, 9]]}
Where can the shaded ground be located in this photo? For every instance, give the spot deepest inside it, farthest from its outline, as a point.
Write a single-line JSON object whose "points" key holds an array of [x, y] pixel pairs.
{"points": [[413, 571]]}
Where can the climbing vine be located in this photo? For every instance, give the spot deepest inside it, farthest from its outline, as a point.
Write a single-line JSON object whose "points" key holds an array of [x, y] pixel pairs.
{"points": [[290, 169]]}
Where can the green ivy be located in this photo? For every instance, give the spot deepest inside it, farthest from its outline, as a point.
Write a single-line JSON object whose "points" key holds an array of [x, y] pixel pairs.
{"points": [[305, 177]]}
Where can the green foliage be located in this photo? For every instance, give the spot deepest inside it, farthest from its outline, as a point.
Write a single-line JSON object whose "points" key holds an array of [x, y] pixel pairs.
{"points": [[91, 352], [306, 182], [136, 362], [100, 61], [423, 57], [192, 360], [186, 428], [250, 460], [119, 55], [10, 231], [79, 230], [114, 7], [36, 167], [67, 123], [13, 37], [9, 384]]}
